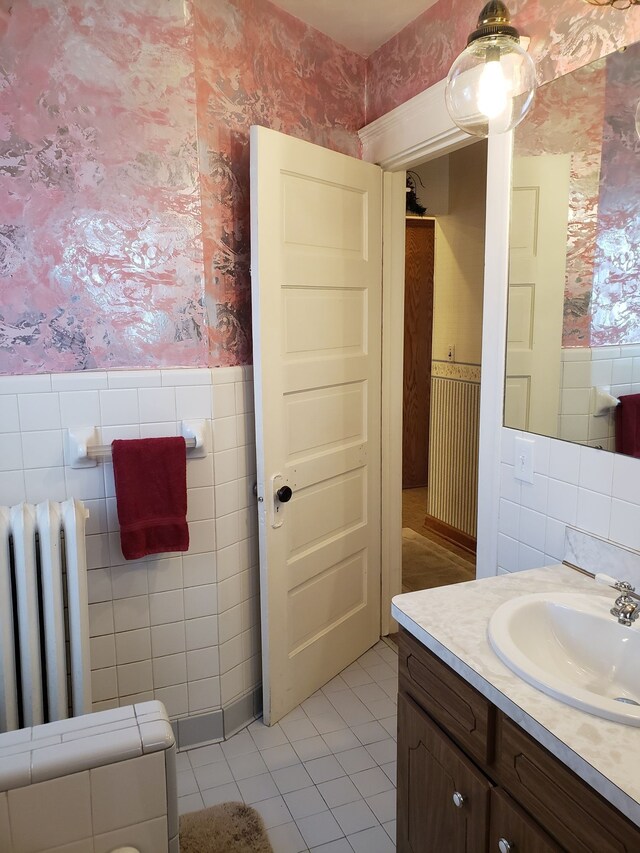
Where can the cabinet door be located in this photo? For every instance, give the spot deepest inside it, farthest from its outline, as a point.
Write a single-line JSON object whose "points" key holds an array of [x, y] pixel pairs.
{"points": [[431, 770], [513, 831]]}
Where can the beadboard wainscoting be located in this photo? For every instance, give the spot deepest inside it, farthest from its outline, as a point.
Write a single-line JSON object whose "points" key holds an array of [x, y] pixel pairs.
{"points": [[574, 485], [182, 628]]}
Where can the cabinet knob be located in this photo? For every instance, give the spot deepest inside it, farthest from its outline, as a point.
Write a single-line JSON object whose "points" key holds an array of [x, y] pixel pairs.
{"points": [[505, 846], [458, 799]]}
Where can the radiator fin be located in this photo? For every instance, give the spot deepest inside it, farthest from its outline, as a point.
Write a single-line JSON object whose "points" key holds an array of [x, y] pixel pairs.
{"points": [[42, 557], [453, 453]]}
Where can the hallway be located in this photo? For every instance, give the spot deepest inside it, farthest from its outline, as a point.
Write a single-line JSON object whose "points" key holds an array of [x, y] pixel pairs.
{"points": [[428, 560]]}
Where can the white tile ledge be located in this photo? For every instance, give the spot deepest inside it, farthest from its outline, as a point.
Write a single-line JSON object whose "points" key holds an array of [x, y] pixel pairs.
{"points": [[586, 744], [46, 752]]}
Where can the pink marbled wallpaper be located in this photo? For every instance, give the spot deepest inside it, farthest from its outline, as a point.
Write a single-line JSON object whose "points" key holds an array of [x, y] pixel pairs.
{"points": [[124, 224], [258, 65], [565, 34], [567, 119], [615, 303], [100, 225]]}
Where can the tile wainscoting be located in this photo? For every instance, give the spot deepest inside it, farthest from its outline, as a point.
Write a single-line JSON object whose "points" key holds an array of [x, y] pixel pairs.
{"points": [[576, 486], [182, 628]]}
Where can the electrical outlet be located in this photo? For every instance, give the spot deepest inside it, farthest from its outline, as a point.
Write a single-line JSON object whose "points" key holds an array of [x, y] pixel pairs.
{"points": [[451, 352], [523, 460]]}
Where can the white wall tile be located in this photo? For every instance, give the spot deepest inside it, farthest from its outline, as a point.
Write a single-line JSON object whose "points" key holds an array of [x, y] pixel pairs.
{"points": [[119, 407], [39, 411], [157, 404], [134, 378], [564, 462], [11, 452], [562, 501], [43, 483], [128, 792], [532, 528], [201, 632], [9, 418], [134, 678], [164, 574], [594, 512], [193, 402], [42, 449], [204, 694], [170, 670], [79, 409], [199, 569], [166, 607], [596, 470], [63, 809], [32, 384], [133, 646], [168, 639], [624, 526], [200, 601], [88, 380], [131, 613], [224, 400]]}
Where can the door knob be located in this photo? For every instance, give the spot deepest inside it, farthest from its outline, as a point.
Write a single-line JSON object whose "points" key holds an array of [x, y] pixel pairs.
{"points": [[505, 846], [284, 494], [458, 799]]}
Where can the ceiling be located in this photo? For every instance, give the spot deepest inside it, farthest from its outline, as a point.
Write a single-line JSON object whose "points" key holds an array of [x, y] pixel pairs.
{"points": [[360, 25]]}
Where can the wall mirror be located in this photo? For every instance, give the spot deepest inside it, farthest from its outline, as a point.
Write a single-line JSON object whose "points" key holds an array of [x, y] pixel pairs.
{"points": [[573, 336]]}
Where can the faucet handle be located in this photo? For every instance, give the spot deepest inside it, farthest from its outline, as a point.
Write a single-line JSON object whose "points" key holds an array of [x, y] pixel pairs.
{"points": [[624, 587]]}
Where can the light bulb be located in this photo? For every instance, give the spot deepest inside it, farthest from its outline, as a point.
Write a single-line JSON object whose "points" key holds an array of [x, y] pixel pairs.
{"points": [[492, 90], [491, 84]]}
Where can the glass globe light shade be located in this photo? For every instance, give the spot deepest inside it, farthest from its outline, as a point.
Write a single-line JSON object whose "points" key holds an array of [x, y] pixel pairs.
{"points": [[490, 86]]}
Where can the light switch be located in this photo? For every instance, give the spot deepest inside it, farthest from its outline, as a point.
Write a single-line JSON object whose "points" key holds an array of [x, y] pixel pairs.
{"points": [[523, 460]]}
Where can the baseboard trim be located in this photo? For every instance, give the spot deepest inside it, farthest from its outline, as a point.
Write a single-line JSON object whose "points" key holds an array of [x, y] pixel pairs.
{"points": [[451, 534], [220, 724]]}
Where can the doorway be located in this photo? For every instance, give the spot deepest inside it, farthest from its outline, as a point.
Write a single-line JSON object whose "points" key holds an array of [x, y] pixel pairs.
{"points": [[444, 263]]}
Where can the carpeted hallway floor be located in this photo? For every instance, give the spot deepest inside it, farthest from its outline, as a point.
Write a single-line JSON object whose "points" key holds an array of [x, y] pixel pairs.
{"points": [[428, 560]]}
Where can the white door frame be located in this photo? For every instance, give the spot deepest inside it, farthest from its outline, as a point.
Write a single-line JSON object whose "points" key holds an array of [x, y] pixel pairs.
{"points": [[416, 131]]}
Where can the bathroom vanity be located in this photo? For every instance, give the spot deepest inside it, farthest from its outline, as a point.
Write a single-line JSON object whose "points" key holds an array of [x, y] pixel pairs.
{"points": [[487, 762]]}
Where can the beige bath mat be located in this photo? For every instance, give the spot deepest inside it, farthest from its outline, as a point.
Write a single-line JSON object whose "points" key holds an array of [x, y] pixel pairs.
{"points": [[226, 828]]}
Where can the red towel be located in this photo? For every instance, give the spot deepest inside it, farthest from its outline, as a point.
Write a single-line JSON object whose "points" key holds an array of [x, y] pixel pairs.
{"points": [[151, 494], [628, 425]]}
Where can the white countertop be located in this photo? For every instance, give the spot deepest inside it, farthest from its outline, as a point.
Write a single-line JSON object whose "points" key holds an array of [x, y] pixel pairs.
{"points": [[452, 622]]}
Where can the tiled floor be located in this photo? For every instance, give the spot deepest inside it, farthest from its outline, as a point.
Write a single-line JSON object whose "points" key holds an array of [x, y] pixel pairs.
{"points": [[324, 777]]}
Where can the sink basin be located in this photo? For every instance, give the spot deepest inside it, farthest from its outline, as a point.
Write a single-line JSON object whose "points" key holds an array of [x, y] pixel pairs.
{"points": [[571, 647]]}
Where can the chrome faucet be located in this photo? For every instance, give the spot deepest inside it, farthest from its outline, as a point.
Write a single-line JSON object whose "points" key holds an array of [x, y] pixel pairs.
{"points": [[627, 606]]}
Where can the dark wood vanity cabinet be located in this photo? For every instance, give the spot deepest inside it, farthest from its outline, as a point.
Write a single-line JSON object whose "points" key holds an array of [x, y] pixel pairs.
{"points": [[470, 780]]}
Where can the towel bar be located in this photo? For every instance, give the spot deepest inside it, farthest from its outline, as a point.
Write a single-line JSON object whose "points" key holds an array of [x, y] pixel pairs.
{"points": [[85, 452]]}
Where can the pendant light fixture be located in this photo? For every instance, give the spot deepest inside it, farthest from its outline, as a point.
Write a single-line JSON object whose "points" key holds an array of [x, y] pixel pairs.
{"points": [[491, 84]]}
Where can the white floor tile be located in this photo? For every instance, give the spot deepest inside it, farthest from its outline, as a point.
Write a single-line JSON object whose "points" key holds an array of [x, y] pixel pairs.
{"points": [[266, 737], [192, 803], [339, 846], [187, 783], [354, 817], [274, 812], [341, 740], [383, 805], [245, 766], [311, 747], [228, 793], [205, 755], [212, 775], [370, 782], [355, 760], [337, 792], [298, 729], [373, 840], [324, 769], [319, 828], [390, 828], [383, 751], [258, 788], [279, 756], [240, 744], [330, 722], [292, 778], [370, 732], [286, 838], [306, 802], [293, 773]]}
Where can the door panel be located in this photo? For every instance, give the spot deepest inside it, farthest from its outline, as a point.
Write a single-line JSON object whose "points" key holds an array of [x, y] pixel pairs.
{"points": [[316, 240], [537, 261]]}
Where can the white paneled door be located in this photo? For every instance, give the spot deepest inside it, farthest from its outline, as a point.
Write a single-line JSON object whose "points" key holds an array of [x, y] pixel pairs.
{"points": [[537, 262], [316, 243]]}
